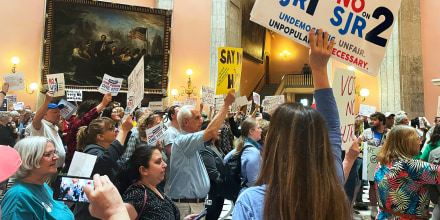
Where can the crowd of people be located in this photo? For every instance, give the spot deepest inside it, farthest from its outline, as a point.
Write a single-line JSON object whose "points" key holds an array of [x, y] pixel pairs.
{"points": [[285, 165]]}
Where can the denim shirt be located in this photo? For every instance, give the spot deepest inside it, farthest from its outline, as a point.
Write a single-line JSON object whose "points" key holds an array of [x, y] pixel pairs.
{"points": [[188, 176]]}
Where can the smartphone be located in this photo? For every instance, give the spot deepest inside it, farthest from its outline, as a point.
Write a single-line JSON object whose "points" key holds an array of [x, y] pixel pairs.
{"points": [[200, 215], [71, 189]]}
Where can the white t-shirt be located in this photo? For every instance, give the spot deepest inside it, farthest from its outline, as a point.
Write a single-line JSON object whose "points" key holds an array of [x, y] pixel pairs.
{"points": [[50, 130]]}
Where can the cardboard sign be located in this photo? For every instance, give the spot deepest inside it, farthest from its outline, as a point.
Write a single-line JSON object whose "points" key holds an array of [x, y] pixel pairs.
{"points": [[256, 97], [74, 95], [344, 92], [208, 96], [178, 103], [248, 108], [156, 106], [366, 110], [190, 101], [18, 106], [135, 87], [12, 99], [361, 29], [55, 83], [229, 69], [155, 134], [370, 162], [111, 85], [68, 109], [15, 80]]}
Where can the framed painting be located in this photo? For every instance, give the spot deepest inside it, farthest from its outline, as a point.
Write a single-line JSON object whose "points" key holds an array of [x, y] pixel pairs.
{"points": [[86, 39], [253, 35]]}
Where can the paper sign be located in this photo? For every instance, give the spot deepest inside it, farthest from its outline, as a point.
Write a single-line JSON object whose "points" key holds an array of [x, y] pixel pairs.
{"points": [[370, 162], [361, 29], [366, 110], [82, 165], [12, 99], [110, 84], [4, 106], [55, 83], [191, 101], [135, 87], [68, 109], [74, 95], [344, 92], [15, 80], [19, 106], [208, 96], [157, 105], [155, 134], [218, 103], [229, 69], [178, 103], [270, 103], [256, 97], [241, 101], [248, 108]]}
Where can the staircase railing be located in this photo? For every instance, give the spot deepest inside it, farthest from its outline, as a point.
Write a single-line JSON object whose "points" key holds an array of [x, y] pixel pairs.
{"points": [[259, 85], [295, 81]]}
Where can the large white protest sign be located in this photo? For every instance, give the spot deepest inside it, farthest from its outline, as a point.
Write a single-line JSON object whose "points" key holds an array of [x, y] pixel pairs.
{"points": [[344, 92], [55, 83], [366, 110], [15, 80], [135, 87], [191, 101], [68, 109], [11, 98], [208, 95], [156, 105], [256, 97], [74, 95], [111, 85], [361, 29], [155, 134]]}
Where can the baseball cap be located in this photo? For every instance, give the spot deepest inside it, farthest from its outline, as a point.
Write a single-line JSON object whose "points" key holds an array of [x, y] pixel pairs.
{"points": [[52, 106], [10, 161], [388, 114]]}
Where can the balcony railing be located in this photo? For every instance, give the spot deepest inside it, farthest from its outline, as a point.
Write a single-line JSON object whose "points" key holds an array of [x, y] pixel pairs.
{"points": [[295, 81]]}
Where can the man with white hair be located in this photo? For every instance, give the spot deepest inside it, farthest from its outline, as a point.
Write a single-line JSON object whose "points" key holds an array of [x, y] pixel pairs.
{"points": [[189, 181]]}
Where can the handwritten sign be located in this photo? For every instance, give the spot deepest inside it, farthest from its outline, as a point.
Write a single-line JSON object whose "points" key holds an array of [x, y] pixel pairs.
{"points": [[229, 69], [366, 110], [370, 162], [68, 109], [15, 80], [135, 87], [256, 97], [74, 95], [111, 85], [155, 134], [178, 103], [361, 29], [55, 83], [248, 108], [344, 92], [156, 105], [191, 101], [208, 95]]}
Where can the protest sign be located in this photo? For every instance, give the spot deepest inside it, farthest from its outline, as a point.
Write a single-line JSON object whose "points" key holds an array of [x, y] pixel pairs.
{"points": [[248, 108], [218, 103], [135, 87], [256, 97], [241, 101], [370, 162], [191, 101], [178, 103], [344, 92], [155, 134], [74, 95], [12, 99], [156, 105], [111, 85], [208, 96], [55, 83], [361, 29], [18, 106], [4, 106], [229, 69], [270, 103], [366, 110], [68, 109], [15, 80]]}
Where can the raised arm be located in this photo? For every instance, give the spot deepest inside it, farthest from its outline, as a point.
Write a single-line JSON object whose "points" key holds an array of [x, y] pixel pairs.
{"points": [[105, 100], [5, 89], [216, 123], [255, 111], [36, 123]]}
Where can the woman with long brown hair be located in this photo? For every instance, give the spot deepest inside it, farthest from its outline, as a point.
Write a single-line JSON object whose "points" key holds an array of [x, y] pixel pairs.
{"points": [[301, 176]]}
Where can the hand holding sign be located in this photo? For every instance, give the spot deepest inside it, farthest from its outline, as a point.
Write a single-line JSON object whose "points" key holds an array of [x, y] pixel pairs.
{"points": [[49, 96], [230, 98]]}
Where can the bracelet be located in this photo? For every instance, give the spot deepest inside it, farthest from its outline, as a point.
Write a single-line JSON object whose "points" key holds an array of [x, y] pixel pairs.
{"points": [[4, 93]]}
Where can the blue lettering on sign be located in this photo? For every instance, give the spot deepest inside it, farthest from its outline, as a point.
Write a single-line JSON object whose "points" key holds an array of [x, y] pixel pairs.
{"points": [[310, 8], [358, 24]]}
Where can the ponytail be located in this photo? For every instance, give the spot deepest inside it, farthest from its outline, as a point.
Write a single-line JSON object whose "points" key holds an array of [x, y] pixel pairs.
{"points": [[81, 138]]}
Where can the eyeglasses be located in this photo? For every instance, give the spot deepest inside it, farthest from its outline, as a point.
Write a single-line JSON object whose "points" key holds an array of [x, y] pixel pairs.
{"points": [[50, 154]]}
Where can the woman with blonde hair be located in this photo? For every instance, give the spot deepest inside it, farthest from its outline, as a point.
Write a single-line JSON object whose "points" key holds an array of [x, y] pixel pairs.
{"points": [[301, 175], [400, 179]]}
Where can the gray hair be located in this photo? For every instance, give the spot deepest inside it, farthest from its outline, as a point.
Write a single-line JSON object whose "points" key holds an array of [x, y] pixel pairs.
{"points": [[398, 118], [139, 112], [14, 113], [31, 150], [4, 116], [184, 113]]}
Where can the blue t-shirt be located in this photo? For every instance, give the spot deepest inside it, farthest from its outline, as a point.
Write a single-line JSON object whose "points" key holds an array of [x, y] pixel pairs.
{"points": [[32, 201]]}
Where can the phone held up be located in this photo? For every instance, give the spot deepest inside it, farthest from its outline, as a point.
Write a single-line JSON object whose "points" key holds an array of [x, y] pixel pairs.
{"points": [[71, 189]]}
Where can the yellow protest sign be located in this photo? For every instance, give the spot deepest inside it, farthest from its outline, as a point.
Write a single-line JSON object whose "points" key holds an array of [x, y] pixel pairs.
{"points": [[229, 69]]}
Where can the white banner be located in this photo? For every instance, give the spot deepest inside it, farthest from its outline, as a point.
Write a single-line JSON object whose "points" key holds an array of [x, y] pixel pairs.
{"points": [[361, 28], [208, 95], [15, 80], [110, 84], [344, 92], [55, 83], [74, 95], [155, 134]]}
